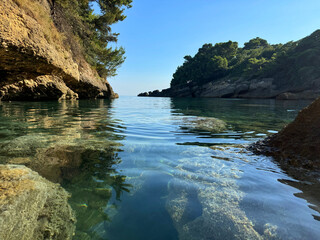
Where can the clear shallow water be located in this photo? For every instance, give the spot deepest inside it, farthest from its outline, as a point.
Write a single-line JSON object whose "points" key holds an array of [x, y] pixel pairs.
{"points": [[136, 170]]}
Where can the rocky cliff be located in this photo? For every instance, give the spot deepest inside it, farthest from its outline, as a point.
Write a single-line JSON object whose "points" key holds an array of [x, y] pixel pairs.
{"points": [[282, 71], [39, 57], [242, 88]]}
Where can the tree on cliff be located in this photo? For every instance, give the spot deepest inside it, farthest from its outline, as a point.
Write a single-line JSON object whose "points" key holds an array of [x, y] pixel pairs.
{"points": [[93, 30], [255, 43], [210, 62], [226, 59]]}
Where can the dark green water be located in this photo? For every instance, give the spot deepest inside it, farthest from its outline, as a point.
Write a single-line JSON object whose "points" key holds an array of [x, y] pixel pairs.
{"points": [[137, 170]]}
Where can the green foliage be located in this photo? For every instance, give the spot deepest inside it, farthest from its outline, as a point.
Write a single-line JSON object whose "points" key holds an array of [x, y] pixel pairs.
{"points": [[210, 62], [258, 58], [255, 43], [94, 33]]}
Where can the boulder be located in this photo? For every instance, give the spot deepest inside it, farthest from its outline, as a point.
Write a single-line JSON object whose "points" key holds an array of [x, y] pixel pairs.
{"points": [[208, 124], [298, 144], [33, 208]]}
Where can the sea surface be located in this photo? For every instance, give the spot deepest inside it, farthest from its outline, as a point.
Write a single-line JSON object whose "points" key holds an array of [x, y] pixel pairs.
{"points": [[137, 169]]}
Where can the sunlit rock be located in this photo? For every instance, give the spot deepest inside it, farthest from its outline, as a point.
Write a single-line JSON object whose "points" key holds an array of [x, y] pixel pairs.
{"points": [[35, 61], [46, 87], [31, 207]]}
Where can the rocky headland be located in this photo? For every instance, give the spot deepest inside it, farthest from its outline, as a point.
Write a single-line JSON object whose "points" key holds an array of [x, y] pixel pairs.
{"points": [[258, 70], [242, 88], [40, 58]]}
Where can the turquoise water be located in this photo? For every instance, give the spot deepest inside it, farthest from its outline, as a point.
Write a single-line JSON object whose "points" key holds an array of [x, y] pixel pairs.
{"points": [[137, 169]]}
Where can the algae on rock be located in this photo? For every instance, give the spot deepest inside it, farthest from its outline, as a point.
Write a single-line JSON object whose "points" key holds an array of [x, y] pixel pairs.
{"points": [[208, 124], [33, 208]]}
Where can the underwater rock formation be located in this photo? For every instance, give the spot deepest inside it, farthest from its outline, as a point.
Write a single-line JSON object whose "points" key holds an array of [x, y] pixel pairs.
{"points": [[83, 168], [209, 124], [56, 161], [36, 63], [33, 208], [74, 148], [58, 148], [208, 207], [298, 144]]}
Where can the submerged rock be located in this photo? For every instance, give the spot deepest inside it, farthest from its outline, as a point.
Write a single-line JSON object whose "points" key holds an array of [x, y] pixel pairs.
{"points": [[57, 155], [56, 162], [209, 124], [31, 207], [205, 204], [218, 216], [21, 147]]}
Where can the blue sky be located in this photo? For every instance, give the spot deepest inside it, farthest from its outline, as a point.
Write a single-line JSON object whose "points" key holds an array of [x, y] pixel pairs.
{"points": [[157, 34]]}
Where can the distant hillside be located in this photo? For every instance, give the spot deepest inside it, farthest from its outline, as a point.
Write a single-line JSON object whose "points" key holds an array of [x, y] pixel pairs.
{"points": [[258, 70]]}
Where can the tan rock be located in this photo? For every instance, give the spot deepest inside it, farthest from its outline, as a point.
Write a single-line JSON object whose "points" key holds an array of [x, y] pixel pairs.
{"points": [[35, 58], [44, 87], [32, 207]]}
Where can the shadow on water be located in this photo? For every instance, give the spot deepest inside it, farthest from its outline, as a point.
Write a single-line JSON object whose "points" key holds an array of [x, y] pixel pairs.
{"points": [[309, 191]]}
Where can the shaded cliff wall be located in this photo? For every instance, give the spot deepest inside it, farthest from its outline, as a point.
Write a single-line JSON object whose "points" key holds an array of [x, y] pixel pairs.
{"points": [[39, 57]]}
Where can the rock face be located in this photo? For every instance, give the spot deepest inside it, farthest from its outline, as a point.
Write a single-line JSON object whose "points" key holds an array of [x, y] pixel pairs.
{"points": [[298, 144], [36, 62], [31, 207], [42, 87], [242, 88]]}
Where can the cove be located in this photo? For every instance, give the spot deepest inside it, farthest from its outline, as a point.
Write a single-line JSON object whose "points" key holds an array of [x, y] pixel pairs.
{"points": [[137, 169]]}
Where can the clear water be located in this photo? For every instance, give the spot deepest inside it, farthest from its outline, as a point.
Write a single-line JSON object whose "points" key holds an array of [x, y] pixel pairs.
{"points": [[137, 170]]}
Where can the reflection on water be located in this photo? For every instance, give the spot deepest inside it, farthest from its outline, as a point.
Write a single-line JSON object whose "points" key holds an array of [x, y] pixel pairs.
{"points": [[70, 143], [137, 170], [92, 189]]}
